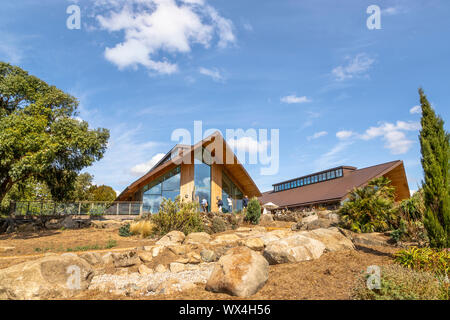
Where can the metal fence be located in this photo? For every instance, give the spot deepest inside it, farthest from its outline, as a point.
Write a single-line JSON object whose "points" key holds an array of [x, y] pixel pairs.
{"points": [[93, 208]]}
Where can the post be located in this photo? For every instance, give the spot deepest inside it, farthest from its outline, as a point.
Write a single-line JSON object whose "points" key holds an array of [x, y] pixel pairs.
{"points": [[117, 208], [141, 208], [79, 208], [129, 209]]}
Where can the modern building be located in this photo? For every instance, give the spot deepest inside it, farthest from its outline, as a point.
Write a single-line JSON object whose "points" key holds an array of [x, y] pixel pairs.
{"points": [[207, 170], [330, 187]]}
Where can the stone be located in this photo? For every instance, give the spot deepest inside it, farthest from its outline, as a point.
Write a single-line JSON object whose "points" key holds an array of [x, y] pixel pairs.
{"points": [[371, 239], [145, 256], [106, 224], [318, 224], [225, 238], [334, 218], [171, 239], [176, 267], [182, 260], [93, 258], [126, 259], [155, 250], [69, 254], [108, 258], [179, 250], [144, 270], [268, 238], [26, 227], [266, 218], [243, 229], [208, 255], [197, 238], [69, 223], [310, 218], [6, 249], [160, 268], [194, 257], [331, 238], [48, 277], [295, 248], [252, 243], [241, 272], [53, 224]]}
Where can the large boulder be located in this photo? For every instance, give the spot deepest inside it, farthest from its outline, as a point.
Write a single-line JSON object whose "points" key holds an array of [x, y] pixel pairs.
{"points": [[93, 258], [252, 243], [48, 277], [241, 272], [293, 249], [332, 238], [173, 238], [197, 238], [126, 259], [226, 238], [266, 218]]}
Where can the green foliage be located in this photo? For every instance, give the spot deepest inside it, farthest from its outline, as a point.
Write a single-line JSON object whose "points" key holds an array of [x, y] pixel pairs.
{"points": [[398, 283], [253, 213], [425, 259], [414, 207], [124, 231], [111, 244], [435, 149], [39, 135], [82, 187], [370, 208], [102, 193], [177, 215], [218, 225]]}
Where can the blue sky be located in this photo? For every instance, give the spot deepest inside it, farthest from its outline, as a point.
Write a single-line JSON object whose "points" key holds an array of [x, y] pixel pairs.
{"points": [[339, 93]]}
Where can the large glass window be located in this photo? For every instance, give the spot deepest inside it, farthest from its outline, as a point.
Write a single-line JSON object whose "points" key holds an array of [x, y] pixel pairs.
{"points": [[167, 186], [202, 179], [230, 190]]}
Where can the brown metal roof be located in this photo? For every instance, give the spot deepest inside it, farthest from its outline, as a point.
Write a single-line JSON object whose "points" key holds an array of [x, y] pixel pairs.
{"points": [[331, 190]]}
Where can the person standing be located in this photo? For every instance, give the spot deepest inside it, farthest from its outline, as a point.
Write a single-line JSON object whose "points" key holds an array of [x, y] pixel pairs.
{"points": [[219, 204], [245, 202], [230, 204], [205, 205]]}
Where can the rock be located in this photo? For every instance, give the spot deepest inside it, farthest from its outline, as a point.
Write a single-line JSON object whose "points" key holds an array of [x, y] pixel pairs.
{"points": [[126, 259], [252, 243], [266, 218], [160, 268], [208, 255], [323, 213], [107, 224], [171, 239], [69, 254], [293, 249], [241, 272], [243, 229], [371, 239], [26, 227], [179, 250], [268, 237], [48, 277], [145, 256], [182, 260], [310, 219], [194, 257], [6, 249], [155, 250], [144, 270], [93, 258], [197, 238], [108, 258], [319, 223], [68, 223], [334, 218], [331, 238], [176, 267], [225, 238], [53, 224]]}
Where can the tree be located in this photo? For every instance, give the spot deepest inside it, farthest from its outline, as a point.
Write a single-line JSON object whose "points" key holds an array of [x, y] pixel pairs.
{"points": [[39, 135], [435, 149], [82, 187], [253, 213], [102, 193]]}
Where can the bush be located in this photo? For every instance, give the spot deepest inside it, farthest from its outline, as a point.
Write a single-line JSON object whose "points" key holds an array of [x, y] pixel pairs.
{"points": [[177, 215], [413, 209], [398, 283], [253, 213], [218, 225], [124, 231], [144, 228], [425, 259], [370, 208]]}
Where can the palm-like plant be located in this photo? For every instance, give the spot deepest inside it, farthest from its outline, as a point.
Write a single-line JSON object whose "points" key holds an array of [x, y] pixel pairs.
{"points": [[370, 208]]}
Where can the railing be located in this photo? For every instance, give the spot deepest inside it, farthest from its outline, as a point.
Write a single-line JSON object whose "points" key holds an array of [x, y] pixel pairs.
{"points": [[93, 208]]}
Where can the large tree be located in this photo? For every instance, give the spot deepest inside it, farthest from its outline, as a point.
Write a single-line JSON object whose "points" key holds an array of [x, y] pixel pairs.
{"points": [[435, 148], [40, 137]]}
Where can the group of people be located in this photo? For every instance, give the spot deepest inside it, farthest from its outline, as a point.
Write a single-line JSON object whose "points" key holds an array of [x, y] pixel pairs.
{"points": [[204, 204]]}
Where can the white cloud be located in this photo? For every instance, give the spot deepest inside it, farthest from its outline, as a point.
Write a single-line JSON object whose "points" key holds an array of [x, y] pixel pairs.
{"points": [[212, 73], [392, 11], [392, 134], [294, 99], [142, 168], [332, 158], [317, 135], [344, 134], [247, 144], [153, 28], [415, 110], [356, 67]]}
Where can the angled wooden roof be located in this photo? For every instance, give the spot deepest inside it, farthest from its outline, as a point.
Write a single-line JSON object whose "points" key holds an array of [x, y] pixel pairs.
{"points": [[221, 153], [337, 189]]}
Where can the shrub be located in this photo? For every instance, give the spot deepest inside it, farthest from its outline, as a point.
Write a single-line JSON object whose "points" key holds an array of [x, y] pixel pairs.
{"points": [[177, 215], [111, 244], [218, 225], [253, 213], [370, 208], [144, 228], [124, 231], [413, 208], [398, 283], [425, 259]]}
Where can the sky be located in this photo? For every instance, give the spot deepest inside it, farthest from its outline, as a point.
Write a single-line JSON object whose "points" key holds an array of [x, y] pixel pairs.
{"points": [[338, 92]]}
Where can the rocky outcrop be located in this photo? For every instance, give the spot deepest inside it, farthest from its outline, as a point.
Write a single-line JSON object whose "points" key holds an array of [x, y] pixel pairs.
{"points": [[241, 272], [295, 248], [126, 259], [197, 238], [171, 239], [49, 277], [332, 238], [93, 258]]}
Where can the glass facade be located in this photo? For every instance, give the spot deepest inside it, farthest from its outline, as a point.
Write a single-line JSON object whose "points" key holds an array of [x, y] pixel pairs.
{"points": [[202, 177], [167, 186], [229, 189], [314, 178]]}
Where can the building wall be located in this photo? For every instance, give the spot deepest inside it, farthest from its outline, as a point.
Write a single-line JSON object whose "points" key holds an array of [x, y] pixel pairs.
{"points": [[216, 185]]}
